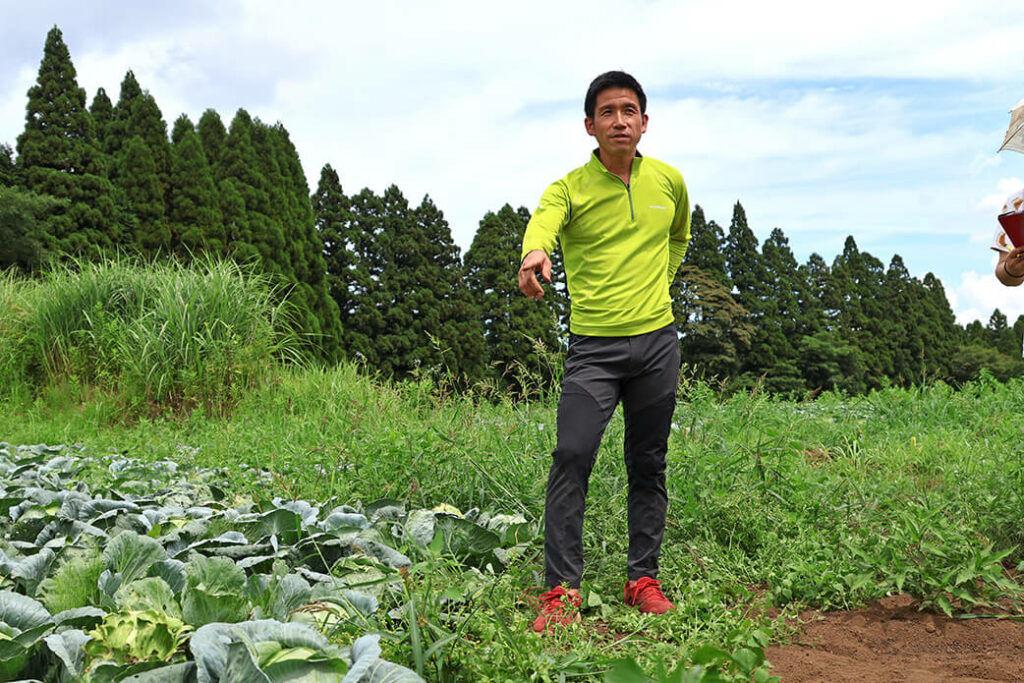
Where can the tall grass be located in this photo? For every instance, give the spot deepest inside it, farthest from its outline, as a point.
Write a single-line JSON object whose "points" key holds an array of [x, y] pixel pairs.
{"points": [[152, 338]]}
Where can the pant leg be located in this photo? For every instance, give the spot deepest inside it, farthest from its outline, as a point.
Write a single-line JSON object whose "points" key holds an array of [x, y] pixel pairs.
{"points": [[590, 392], [649, 400]]}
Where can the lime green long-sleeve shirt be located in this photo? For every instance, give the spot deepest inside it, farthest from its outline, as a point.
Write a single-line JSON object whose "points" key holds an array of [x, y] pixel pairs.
{"points": [[622, 244]]}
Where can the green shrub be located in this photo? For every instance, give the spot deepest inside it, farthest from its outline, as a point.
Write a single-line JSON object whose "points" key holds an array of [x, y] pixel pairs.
{"points": [[154, 337]]}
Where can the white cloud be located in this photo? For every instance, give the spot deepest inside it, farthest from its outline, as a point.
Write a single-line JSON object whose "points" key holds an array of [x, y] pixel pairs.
{"points": [[978, 295], [993, 203]]}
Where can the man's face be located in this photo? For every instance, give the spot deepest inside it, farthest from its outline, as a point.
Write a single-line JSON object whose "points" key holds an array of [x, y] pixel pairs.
{"points": [[617, 123]]}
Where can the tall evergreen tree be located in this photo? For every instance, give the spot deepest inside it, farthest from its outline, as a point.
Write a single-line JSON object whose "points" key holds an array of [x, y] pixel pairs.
{"points": [[512, 324], [362, 320], [59, 154], [213, 135], [1001, 335], [260, 237], [193, 206], [118, 130], [856, 292], [409, 308], [939, 332], [102, 111], [183, 124], [814, 275], [141, 185], [715, 331], [743, 260], [333, 222], [137, 115], [442, 304], [235, 217], [706, 248], [305, 263], [781, 322], [9, 175], [749, 278]]}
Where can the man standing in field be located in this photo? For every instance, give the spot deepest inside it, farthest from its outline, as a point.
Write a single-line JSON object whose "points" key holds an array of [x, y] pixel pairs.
{"points": [[623, 221]]}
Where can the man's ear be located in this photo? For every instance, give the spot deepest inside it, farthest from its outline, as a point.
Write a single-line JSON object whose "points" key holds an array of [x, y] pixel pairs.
{"points": [[588, 123], [643, 128]]}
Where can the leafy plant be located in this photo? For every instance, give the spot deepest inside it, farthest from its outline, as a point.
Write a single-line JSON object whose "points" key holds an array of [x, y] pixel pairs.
{"points": [[74, 584], [24, 623], [214, 592], [131, 636], [744, 663]]}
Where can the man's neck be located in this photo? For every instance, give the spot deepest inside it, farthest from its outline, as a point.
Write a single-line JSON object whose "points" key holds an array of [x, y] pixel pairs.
{"points": [[619, 165]]}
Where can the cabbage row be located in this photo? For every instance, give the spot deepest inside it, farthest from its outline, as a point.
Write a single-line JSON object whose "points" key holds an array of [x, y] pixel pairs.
{"points": [[158, 575]]}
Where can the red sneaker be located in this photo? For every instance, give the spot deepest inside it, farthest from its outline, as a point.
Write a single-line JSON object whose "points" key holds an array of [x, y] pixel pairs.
{"points": [[558, 607], [646, 596]]}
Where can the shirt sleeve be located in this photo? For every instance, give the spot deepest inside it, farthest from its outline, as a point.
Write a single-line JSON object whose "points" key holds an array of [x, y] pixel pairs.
{"points": [[547, 221], [679, 235]]}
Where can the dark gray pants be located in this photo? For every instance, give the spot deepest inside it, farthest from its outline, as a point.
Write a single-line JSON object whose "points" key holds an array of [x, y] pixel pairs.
{"points": [[642, 371]]}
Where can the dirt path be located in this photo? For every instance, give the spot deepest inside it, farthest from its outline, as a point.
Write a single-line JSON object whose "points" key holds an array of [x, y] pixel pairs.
{"points": [[892, 642]]}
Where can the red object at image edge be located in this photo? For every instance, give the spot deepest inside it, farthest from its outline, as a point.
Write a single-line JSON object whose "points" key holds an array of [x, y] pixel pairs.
{"points": [[1013, 226]]}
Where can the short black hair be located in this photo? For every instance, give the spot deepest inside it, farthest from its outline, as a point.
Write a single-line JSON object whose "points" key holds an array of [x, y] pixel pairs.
{"points": [[612, 79]]}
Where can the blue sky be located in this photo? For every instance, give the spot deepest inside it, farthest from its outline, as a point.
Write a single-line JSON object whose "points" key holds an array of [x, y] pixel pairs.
{"points": [[882, 123]]}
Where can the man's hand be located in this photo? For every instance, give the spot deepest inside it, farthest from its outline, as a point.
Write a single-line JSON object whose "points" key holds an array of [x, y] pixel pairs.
{"points": [[538, 262], [1014, 263], [1010, 268]]}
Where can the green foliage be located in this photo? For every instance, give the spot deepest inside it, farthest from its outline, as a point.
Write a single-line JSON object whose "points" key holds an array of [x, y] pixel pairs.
{"points": [[74, 584], [23, 624], [970, 360], [141, 185], [408, 310], [743, 662], [193, 207], [60, 156], [514, 327], [269, 222], [128, 637], [705, 250], [212, 134], [715, 330], [214, 592], [23, 236], [9, 173], [162, 337]]}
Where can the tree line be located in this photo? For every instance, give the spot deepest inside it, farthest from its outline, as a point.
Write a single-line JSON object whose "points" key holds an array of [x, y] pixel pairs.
{"points": [[376, 280]]}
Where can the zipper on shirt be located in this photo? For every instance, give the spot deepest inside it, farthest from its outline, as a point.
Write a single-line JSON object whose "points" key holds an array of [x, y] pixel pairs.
{"points": [[629, 194]]}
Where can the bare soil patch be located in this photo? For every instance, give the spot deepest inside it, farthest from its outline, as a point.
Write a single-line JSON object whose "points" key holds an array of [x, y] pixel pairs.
{"points": [[892, 642]]}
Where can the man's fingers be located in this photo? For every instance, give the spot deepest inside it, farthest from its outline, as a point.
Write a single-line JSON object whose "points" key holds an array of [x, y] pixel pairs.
{"points": [[528, 284], [535, 262]]}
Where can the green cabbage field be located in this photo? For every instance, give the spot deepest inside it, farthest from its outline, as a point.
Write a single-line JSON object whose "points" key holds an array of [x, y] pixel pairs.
{"points": [[153, 573]]}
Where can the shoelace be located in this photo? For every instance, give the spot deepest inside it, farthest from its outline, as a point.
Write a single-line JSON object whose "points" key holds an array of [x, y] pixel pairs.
{"points": [[652, 588]]}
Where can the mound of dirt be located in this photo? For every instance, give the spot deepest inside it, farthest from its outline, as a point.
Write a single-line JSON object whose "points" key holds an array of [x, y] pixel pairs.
{"points": [[891, 641]]}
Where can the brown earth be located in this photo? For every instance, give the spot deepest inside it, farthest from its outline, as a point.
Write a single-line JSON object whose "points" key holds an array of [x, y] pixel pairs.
{"points": [[891, 641]]}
